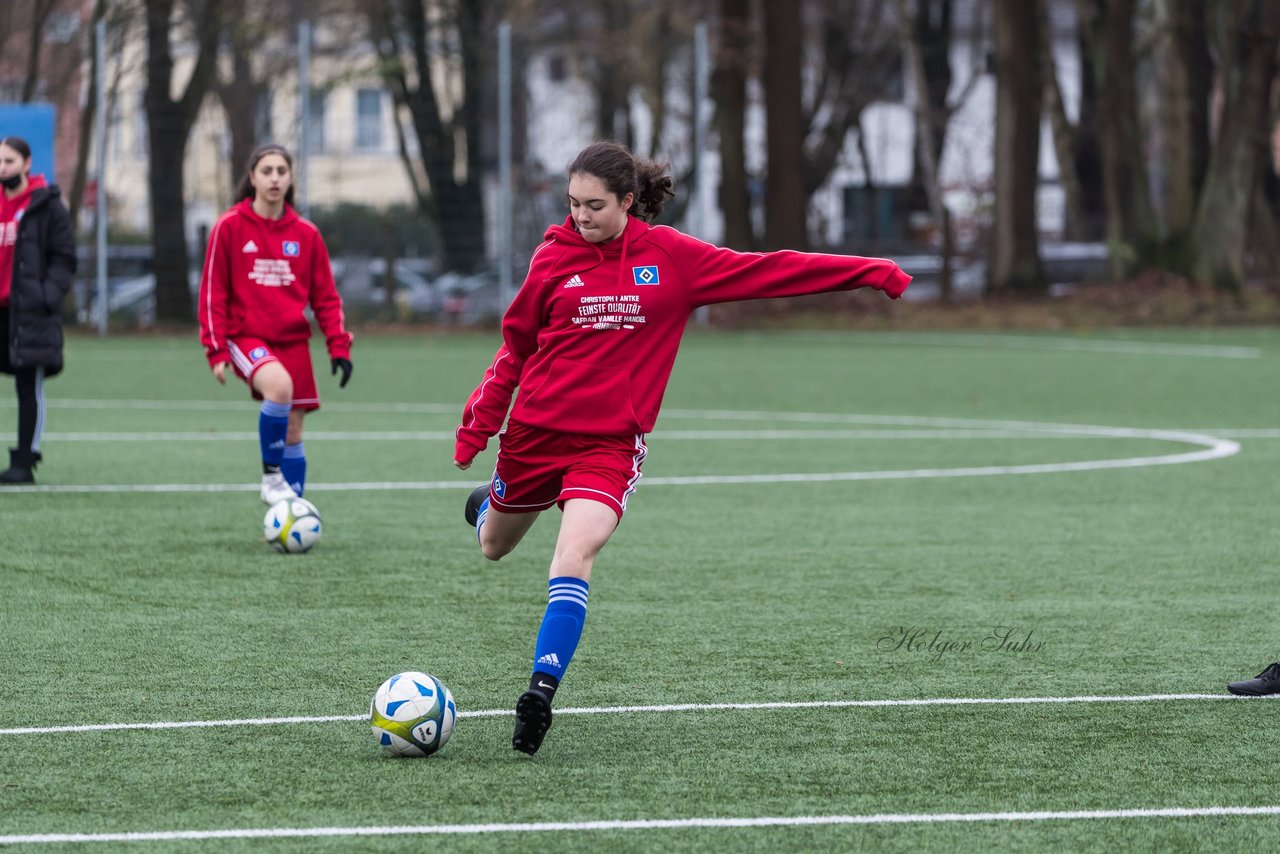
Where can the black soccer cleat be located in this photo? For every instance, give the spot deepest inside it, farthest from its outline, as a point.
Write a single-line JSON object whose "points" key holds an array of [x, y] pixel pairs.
{"points": [[1266, 682], [533, 719], [474, 500]]}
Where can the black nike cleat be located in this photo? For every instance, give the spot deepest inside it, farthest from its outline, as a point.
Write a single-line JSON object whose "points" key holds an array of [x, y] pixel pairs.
{"points": [[1266, 682], [474, 500], [533, 719]]}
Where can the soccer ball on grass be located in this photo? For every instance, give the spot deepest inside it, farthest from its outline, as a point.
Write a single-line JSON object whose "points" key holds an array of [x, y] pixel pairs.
{"points": [[412, 714], [292, 525]]}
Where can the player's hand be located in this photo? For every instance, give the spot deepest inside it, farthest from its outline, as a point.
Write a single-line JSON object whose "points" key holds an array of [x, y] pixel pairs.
{"points": [[343, 365], [220, 372], [460, 464]]}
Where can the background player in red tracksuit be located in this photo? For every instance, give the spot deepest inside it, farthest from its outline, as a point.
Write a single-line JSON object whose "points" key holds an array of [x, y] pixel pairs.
{"points": [[264, 266], [590, 340]]}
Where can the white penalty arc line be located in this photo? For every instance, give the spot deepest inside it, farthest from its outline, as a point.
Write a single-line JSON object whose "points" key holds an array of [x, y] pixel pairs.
{"points": [[1211, 448], [448, 435], [645, 824], [453, 409], [676, 707]]}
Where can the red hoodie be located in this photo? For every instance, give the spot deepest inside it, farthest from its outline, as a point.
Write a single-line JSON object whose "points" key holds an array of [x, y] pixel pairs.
{"points": [[259, 276], [592, 335], [11, 211]]}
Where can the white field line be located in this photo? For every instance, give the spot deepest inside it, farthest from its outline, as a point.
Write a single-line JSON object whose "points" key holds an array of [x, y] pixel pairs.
{"points": [[1244, 432], [448, 435], [641, 824], [1037, 342], [243, 404], [927, 339], [625, 710], [1211, 448]]}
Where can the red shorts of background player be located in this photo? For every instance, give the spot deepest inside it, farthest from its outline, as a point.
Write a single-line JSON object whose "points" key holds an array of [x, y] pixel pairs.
{"points": [[249, 354], [538, 468]]}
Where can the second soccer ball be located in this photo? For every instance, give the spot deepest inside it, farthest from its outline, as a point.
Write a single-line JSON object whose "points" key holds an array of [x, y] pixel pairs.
{"points": [[292, 525]]}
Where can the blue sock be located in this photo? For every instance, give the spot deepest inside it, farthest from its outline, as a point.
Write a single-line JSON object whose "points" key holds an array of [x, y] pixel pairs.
{"points": [[273, 426], [561, 626], [294, 467]]}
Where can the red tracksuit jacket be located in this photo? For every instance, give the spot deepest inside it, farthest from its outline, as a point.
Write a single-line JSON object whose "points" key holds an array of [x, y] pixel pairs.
{"points": [[259, 277], [592, 335]]}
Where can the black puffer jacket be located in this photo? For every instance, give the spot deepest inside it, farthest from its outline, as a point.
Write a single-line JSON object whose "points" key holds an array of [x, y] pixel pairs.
{"points": [[44, 263]]}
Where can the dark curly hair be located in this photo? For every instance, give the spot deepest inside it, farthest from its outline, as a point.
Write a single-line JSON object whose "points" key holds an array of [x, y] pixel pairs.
{"points": [[622, 172]]}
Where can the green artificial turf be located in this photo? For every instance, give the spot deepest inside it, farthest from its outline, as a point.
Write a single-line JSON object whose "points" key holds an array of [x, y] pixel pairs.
{"points": [[165, 606]]}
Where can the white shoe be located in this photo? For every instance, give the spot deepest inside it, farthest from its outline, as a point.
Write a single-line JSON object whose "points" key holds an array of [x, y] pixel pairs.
{"points": [[275, 490]]}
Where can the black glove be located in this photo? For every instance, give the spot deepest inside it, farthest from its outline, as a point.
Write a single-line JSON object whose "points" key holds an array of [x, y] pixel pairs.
{"points": [[345, 366]]}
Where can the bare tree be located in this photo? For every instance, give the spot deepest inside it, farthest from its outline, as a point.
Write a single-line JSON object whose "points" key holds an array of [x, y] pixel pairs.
{"points": [[786, 202], [926, 42], [40, 11], [240, 86], [1247, 37], [729, 91], [854, 57], [1186, 78], [1065, 141], [1107, 32], [1016, 254], [169, 122], [75, 197], [418, 43]]}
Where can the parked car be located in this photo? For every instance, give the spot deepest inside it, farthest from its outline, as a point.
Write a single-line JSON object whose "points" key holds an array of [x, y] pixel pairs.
{"points": [[420, 293], [415, 295]]}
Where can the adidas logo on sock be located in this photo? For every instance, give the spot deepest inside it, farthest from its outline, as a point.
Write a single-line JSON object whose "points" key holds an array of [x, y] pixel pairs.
{"points": [[550, 658], [575, 282]]}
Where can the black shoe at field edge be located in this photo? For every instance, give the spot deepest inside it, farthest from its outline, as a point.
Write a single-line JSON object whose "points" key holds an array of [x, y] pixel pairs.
{"points": [[533, 719], [474, 500], [1266, 682], [21, 468]]}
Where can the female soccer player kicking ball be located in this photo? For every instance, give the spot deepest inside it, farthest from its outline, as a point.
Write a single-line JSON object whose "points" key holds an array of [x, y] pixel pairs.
{"points": [[590, 340]]}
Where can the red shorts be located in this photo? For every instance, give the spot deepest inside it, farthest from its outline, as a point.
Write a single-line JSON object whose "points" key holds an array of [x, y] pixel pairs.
{"points": [[249, 354], [538, 468]]}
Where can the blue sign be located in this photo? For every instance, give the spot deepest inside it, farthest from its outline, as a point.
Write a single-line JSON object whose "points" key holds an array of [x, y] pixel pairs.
{"points": [[37, 124]]}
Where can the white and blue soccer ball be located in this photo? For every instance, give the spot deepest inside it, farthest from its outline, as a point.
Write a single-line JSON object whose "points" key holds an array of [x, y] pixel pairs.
{"points": [[412, 714], [292, 526]]}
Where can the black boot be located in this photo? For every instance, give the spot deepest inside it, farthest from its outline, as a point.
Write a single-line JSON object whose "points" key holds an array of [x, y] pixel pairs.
{"points": [[21, 468]]}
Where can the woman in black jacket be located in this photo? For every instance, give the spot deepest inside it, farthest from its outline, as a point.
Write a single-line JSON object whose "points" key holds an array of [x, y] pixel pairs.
{"points": [[37, 262]]}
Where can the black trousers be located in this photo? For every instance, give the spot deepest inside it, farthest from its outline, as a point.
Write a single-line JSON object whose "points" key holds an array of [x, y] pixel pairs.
{"points": [[29, 383]]}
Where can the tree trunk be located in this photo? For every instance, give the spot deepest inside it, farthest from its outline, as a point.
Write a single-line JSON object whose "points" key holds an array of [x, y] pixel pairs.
{"points": [[931, 32], [1186, 75], [1131, 229], [928, 148], [40, 15], [729, 90], [1015, 263], [785, 200], [1087, 155], [1250, 39], [75, 199], [239, 98], [1075, 226], [405, 41], [168, 126]]}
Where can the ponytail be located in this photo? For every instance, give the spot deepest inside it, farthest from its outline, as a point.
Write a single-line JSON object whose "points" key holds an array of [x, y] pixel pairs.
{"points": [[621, 171]]}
